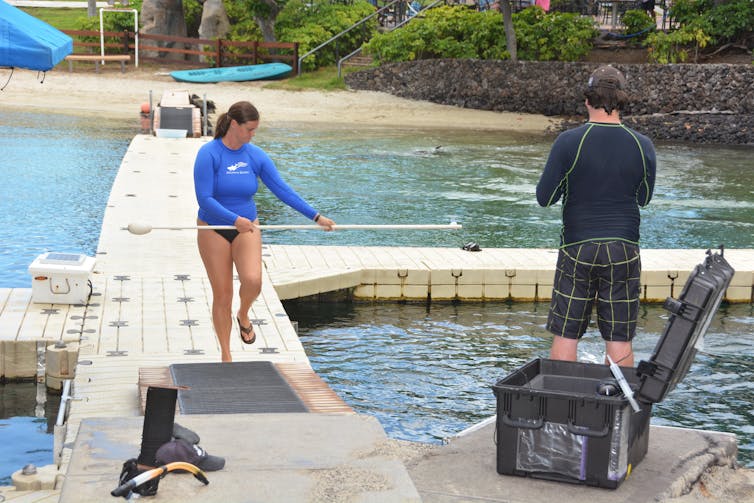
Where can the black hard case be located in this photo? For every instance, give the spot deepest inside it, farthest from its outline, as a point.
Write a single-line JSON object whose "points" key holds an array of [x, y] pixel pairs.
{"points": [[553, 424], [690, 317]]}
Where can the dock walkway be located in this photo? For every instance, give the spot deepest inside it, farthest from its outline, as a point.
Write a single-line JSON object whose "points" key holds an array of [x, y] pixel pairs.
{"points": [[151, 307]]}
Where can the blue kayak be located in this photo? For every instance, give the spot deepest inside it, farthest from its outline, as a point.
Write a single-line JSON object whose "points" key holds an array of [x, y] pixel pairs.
{"points": [[265, 71]]}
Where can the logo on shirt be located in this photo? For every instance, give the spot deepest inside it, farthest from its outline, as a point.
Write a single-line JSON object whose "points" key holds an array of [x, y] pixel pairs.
{"points": [[233, 169]]}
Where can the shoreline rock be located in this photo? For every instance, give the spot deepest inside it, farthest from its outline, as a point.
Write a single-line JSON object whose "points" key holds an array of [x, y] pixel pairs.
{"points": [[697, 103]]}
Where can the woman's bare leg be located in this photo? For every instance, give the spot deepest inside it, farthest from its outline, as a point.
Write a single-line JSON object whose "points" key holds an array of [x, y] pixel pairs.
{"points": [[218, 261], [247, 255]]}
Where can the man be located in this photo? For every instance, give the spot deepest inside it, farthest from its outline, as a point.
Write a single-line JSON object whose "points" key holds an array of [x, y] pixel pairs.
{"points": [[603, 171]]}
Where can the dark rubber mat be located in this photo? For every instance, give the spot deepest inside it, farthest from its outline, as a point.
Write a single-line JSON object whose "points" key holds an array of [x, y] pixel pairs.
{"points": [[233, 388]]}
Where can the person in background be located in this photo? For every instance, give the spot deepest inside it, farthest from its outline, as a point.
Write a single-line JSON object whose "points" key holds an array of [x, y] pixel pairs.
{"points": [[602, 171], [648, 6], [545, 4], [226, 174]]}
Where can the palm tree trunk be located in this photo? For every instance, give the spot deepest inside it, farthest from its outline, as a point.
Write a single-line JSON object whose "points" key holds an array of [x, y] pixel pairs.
{"points": [[510, 33], [267, 23]]}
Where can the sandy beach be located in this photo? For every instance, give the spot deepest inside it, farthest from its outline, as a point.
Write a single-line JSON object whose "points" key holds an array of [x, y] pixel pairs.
{"points": [[114, 94]]}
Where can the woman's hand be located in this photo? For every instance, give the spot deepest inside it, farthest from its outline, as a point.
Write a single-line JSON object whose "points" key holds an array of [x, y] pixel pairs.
{"points": [[325, 222], [243, 224]]}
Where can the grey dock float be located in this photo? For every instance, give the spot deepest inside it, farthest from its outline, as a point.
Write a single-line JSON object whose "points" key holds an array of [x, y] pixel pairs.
{"points": [[493, 274], [151, 308]]}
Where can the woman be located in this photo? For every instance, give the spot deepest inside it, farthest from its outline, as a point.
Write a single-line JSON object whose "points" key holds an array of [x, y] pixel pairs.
{"points": [[226, 174]]}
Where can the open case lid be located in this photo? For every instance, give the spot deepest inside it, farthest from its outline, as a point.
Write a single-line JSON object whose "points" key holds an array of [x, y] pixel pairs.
{"points": [[690, 316]]}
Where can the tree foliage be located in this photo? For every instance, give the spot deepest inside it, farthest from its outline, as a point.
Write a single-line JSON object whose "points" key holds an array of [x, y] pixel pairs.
{"points": [[313, 23], [703, 23], [554, 36], [192, 13], [637, 25], [724, 21], [310, 23], [112, 21], [443, 32], [458, 32], [675, 46]]}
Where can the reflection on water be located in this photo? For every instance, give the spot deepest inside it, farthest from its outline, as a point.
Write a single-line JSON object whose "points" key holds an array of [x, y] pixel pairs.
{"points": [[27, 420], [425, 371]]}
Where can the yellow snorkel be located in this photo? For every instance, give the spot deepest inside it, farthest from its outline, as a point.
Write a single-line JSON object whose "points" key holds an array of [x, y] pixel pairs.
{"points": [[159, 472]]}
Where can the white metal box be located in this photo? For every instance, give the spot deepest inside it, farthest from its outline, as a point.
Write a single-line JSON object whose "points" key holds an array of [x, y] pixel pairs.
{"points": [[61, 278]]}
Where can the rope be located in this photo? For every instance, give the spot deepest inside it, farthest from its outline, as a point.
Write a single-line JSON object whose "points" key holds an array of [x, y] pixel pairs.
{"points": [[9, 77]]}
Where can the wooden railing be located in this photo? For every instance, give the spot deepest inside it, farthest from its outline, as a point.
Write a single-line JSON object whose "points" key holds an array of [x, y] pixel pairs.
{"points": [[184, 51]]}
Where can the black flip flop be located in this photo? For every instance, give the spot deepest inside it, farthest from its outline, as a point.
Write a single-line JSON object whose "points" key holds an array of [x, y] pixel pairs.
{"points": [[246, 330]]}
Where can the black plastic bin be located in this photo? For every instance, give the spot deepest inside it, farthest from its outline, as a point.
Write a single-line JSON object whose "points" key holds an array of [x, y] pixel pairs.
{"points": [[554, 420], [553, 423]]}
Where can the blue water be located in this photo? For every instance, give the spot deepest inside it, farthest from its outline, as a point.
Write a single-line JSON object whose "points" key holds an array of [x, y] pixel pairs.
{"points": [[26, 427], [56, 172], [55, 175], [704, 195], [28, 443]]}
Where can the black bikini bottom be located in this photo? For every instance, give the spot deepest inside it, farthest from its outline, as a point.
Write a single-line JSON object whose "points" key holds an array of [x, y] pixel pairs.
{"points": [[228, 234]]}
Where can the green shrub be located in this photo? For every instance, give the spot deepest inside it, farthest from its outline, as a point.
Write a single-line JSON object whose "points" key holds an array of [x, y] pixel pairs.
{"points": [[311, 24], [442, 32], [674, 46], [732, 21], [702, 23], [555, 36], [111, 21], [459, 32], [638, 25], [685, 11], [723, 22]]}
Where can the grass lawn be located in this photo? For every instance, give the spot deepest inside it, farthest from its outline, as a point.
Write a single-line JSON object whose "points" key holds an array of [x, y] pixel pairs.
{"points": [[323, 79], [62, 18]]}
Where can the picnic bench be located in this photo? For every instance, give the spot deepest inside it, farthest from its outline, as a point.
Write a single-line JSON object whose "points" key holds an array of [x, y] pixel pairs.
{"points": [[97, 59]]}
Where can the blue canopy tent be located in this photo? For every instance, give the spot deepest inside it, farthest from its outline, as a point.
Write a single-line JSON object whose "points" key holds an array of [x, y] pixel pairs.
{"points": [[27, 42]]}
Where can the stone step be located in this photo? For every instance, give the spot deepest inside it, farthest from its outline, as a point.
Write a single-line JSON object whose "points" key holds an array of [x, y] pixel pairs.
{"points": [[362, 61]]}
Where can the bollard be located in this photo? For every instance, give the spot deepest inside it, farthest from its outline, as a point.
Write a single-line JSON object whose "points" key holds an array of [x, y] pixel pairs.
{"points": [[60, 364], [32, 478], [144, 116]]}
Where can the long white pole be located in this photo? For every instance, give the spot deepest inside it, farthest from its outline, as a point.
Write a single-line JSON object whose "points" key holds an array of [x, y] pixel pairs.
{"points": [[145, 228], [101, 36], [345, 227]]}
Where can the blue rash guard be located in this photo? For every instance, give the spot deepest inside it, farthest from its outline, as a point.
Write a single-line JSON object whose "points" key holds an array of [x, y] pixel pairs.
{"points": [[603, 172], [226, 180]]}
